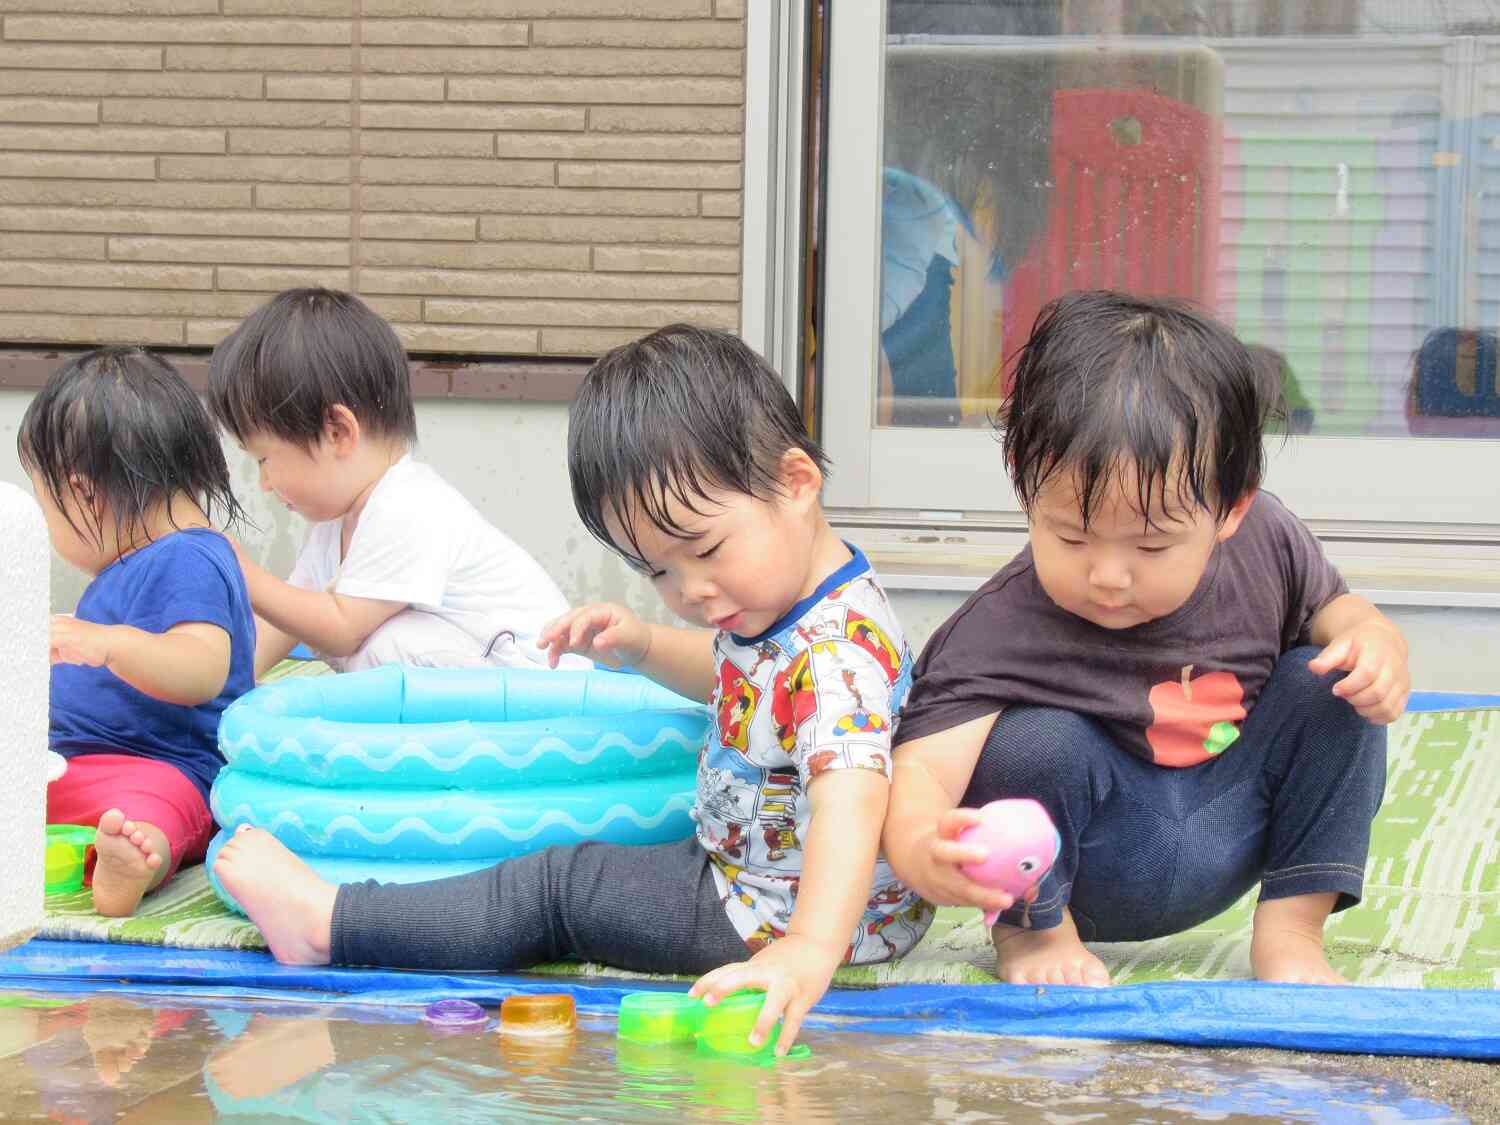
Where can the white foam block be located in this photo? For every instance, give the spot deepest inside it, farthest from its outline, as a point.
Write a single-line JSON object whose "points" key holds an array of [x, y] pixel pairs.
{"points": [[25, 558]]}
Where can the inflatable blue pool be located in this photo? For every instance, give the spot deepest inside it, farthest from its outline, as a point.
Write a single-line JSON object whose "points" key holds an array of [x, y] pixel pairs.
{"points": [[402, 774]]}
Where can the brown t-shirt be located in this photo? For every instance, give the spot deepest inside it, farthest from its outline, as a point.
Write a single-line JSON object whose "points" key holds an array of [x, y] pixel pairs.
{"points": [[1172, 690]]}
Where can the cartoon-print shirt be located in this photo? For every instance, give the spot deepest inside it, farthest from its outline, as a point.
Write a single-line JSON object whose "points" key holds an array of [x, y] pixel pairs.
{"points": [[1174, 690], [818, 691]]}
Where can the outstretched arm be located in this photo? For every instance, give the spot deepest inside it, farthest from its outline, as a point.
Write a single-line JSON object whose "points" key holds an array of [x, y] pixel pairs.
{"points": [[333, 623], [186, 665]]}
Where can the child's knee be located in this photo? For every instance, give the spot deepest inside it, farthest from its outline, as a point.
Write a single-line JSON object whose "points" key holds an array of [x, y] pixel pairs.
{"points": [[1032, 752]]}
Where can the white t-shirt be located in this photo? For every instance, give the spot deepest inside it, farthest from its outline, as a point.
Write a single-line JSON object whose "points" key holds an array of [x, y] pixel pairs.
{"points": [[418, 541]]}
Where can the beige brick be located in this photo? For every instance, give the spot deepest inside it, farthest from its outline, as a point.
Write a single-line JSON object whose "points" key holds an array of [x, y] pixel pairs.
{"points": [[469, 117], [450, 33], [729, 9], [637, 91], [581, 314], [405, 142], [585, 341], [530, 201], [667, 259], [308, 170], [303, 197], [24, 328], [72, 166], [448, 228], [538, 9], [430, 338], [250, 224], [666, 119], [316, 60], [216, 250], [108, 139], [135, 29], [636, 33], [572, 62], [101, 193], [108, 274], [649, 175], [327, 8], [309, 87], [152, 111], [53, 247], [400, 88], [275, 280], [540, 146], [476, 255], [129, 302], [721, 204], [83, 84], [514, 228], [394, 308], [208, 333], [289, 142], [38, 110], [65, 57], [117, 7], [396, 170], [535, 283]]}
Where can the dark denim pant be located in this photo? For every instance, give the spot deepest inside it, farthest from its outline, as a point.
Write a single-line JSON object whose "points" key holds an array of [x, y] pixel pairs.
{"points": [[1150, 850]]}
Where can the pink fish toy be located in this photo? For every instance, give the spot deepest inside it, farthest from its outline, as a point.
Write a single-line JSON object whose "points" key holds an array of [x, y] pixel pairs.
{"points": [[1023, 844]]}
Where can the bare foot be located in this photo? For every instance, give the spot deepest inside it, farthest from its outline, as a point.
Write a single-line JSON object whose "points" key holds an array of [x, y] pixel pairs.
{"points": [[129, 863], [280, 893], [1286, 943], [1054, 956]]}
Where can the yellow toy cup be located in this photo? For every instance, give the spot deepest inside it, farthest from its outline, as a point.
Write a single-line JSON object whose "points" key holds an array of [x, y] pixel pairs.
{"points": [[67, 849]]}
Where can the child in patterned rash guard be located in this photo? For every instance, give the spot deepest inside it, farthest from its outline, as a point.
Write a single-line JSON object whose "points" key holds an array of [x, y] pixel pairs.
{"points": [[688, 458]]}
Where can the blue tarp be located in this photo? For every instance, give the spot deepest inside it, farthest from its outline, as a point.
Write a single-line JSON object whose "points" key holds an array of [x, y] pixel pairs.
{"points": [[1386, 1021]]}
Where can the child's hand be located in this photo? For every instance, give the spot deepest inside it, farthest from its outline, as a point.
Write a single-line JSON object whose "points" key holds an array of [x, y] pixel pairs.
{"points": [[608, 633], [79, 642], [940, 878], [1373, 652], [794, 972]]}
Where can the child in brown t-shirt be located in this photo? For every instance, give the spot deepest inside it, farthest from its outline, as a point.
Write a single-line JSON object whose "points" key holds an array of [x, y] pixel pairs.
{"points": [[1172, 666]]}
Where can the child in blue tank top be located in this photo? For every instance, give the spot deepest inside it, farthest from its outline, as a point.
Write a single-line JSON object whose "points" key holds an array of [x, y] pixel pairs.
{"points": [[128, 470]]}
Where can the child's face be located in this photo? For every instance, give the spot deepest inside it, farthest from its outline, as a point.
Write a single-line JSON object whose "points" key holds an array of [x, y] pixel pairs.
{"points": [[1126, 568], [746, 564], [305, 480], [74, 548]]}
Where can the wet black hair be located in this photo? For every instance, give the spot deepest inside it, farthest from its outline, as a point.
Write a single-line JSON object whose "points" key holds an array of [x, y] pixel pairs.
{"points": [[299, 355], [125, 425], [671, 416], [1110, 383]]}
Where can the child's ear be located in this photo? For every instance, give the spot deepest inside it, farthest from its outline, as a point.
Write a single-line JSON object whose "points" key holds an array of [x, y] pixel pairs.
{"points": [[801, 479], [82, 489], [1236, 515], [341, 429]]}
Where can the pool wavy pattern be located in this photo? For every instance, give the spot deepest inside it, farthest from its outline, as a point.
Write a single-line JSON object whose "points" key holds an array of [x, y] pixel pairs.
{"points": [[402, 774]]}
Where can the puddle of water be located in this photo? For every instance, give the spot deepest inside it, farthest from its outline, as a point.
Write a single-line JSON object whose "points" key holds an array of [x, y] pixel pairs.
{"points": [[115, 1058]]}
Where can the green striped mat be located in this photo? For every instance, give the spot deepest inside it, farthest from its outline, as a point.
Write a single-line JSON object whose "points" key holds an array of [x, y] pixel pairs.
{"points": [[1430, 918]]}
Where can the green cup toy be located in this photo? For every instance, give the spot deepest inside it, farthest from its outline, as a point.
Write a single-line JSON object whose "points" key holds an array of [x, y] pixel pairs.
{"points": [[67, 848], [670, 1019], [660, 1018]]}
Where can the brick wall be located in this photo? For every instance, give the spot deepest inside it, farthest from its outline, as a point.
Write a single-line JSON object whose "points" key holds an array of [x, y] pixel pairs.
{"points": [[522, 177]]}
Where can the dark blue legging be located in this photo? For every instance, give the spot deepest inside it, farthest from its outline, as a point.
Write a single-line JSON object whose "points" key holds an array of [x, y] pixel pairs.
{"points": [[652, 909], [1150, 850]]}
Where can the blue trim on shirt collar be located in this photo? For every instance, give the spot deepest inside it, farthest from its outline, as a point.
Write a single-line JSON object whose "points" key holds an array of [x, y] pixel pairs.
{"points": [[851, 570]]}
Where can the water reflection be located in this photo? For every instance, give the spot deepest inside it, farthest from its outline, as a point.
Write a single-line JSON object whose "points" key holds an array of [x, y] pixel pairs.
{"points": [[111, 1059]]}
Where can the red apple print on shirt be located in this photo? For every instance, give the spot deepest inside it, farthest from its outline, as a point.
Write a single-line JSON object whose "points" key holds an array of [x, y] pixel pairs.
{"points": [[1192, 720]]}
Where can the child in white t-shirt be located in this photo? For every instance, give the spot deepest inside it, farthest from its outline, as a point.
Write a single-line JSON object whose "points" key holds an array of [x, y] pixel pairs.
{"points": [[398, 568]]}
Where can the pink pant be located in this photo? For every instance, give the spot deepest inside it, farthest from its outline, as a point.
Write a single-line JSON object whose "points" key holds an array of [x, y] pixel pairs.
{"points": [[141, 788]]}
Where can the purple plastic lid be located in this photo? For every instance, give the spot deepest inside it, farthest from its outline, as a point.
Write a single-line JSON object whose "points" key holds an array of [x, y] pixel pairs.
{"points": [[455, 1015]]}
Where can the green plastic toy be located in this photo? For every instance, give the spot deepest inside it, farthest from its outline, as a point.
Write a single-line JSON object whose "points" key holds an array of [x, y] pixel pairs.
{"points": [[67, 849], [671, 1019]]}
